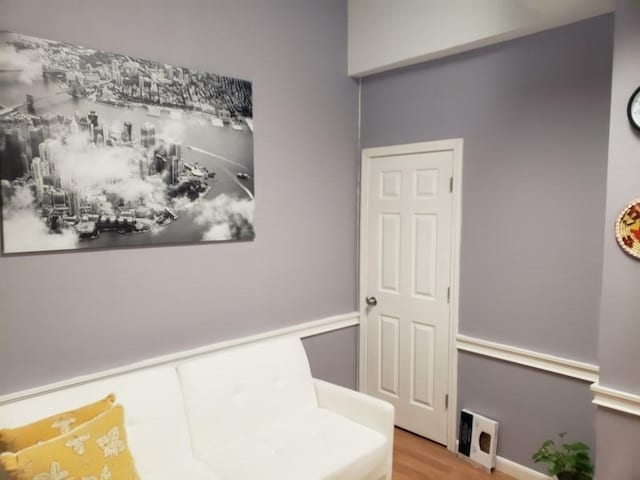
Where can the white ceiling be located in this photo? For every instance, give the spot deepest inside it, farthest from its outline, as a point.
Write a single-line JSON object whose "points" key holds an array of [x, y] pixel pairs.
{"points": [[386, 34]]}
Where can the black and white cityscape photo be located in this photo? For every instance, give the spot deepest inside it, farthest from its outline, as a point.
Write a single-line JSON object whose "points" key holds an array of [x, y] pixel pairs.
{"points": [[102, 150]]}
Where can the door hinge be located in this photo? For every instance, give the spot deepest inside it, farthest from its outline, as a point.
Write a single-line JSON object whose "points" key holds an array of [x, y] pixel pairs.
{"points": [[451, 184], [448, 294], [446, 402]]}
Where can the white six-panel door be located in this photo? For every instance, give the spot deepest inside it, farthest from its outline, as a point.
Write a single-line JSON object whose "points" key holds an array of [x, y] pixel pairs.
{"points": [[407, 241]]}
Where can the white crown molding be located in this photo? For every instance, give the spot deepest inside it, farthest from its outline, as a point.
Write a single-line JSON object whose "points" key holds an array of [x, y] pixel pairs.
{"points": [[518, 471], [616, 399], [529, 358], [302, 330]]}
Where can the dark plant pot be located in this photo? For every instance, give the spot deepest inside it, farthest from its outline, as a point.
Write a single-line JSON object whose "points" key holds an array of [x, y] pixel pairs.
{"points": [[565, 476]]}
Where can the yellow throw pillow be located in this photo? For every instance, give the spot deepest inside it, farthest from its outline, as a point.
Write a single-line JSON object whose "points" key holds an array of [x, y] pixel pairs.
{"points": [[96, 450], [16, 439]]}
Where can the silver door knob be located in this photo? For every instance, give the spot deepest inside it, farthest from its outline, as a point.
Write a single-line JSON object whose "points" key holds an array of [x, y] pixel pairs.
{"points": [[371, 301]]}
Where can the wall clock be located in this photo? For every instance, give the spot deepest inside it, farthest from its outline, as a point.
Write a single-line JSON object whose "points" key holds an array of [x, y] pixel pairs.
{"points": [[628, 229], [633, 109]]}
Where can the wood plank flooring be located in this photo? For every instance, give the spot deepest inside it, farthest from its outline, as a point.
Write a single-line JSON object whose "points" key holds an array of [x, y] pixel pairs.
{"points": [[415, 458]]}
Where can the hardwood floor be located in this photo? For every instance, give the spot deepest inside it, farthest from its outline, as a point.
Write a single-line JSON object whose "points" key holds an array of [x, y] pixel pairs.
{"points": [[415, 458]]}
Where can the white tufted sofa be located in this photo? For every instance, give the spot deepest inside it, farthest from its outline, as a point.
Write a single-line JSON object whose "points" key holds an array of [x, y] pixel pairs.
{"points": [[251, 412]]}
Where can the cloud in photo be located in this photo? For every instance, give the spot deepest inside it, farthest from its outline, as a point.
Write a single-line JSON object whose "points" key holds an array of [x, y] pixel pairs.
{"points": [[27, 62], [24, 231], [173, 131], [109, 169], [226, 218], [89, 166]]}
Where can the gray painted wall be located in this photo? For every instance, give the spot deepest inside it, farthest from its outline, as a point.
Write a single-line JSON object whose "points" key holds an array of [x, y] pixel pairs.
{"points": [[67, 314], [619, 434], [618, 440], [334, 356], [620, 313], [534, 116], [531, 405]]}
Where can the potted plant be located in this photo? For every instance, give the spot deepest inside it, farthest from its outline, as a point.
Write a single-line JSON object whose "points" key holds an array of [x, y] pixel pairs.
{"points": [[568, 461]]}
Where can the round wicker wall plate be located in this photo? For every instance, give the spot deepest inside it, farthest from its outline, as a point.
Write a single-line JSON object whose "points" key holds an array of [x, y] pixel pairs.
{"points": [[628, 229]]}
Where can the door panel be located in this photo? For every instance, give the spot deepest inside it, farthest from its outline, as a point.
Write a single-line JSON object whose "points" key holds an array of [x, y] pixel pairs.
{"points": [[390, 252], [423, 353], [389, 353], [425, 251], [408, 265]]}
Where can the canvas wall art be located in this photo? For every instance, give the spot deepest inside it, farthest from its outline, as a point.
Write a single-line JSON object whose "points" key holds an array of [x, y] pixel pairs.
{"points": [[101, 150]]}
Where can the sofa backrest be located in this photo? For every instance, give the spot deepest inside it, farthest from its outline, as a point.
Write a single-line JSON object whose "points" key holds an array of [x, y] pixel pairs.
{"points": [[154, 413], [231, 392]]}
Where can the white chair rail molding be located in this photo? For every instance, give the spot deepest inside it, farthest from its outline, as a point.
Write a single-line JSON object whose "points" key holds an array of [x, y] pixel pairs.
{"points": [[603, 396]]}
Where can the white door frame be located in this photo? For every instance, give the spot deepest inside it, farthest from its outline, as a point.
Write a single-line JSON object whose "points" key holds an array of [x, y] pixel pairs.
{"points": [[456, 146]]}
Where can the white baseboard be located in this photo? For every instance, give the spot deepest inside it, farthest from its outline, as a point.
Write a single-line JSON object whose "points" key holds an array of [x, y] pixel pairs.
{"points": [[301, 330], [520, 472], [513, 469]]}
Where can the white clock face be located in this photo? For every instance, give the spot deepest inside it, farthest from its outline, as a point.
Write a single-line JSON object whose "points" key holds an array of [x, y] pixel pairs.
{"points": [[635, 109]]}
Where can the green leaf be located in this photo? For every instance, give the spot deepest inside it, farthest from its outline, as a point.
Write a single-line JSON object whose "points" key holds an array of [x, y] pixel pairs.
{"points": [[571, 459]]}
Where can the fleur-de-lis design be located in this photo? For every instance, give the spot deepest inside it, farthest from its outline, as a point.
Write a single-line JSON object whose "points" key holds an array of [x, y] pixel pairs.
{"points": [[110, 443], [105, 475], [55, 473], [63, 424], [77, 443]]}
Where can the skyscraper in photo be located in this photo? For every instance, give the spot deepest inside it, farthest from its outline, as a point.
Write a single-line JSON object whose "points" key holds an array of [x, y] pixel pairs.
{"points": [[93, 118], [160, 163], [25, 156], [99, 136], [48, 152], [174, 170], [84, 124], [30, 107], [38, 177], [144, 170], [13, 167], [128, 129], [175, 148], [74, 203], [148, 135], [36, 137], [50, 125]]}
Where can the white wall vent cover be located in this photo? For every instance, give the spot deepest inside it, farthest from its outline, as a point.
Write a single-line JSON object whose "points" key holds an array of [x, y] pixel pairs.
{"points": [[478, 439]]}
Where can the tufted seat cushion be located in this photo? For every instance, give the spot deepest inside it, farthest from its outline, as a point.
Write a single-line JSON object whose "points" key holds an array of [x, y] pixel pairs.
{"points": [[233, 393], [187, 469], [253, 413], [316, 444]]}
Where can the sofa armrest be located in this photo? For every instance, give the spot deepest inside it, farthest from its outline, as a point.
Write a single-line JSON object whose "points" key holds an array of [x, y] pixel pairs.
{"points": [[368, 411]]}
